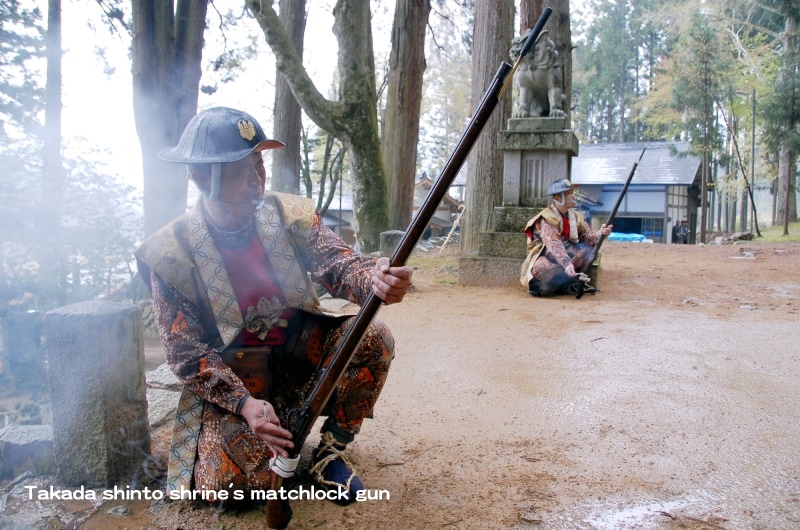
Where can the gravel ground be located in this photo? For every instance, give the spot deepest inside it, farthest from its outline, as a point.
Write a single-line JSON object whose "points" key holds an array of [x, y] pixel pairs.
{"points": [[670, 399]]}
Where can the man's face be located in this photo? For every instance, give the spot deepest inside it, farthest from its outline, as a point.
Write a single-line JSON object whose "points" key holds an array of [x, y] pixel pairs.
{"points": [[569, 199], [244, 180]]}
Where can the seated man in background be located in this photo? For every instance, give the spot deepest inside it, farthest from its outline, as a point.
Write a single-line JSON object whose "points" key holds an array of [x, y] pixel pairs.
{"points": [[240, 320], [559, 245]]}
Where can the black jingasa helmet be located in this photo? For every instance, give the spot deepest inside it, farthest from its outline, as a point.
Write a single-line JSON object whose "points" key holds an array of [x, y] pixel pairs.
{"points": [[217, 136]]}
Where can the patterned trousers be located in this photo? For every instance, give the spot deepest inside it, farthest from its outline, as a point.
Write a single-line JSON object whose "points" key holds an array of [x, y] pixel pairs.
{"points": [[549, 277], [230, 457]]}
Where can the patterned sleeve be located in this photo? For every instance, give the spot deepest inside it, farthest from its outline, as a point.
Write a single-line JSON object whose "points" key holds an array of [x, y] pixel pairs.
{"points": [[586, 234], [192, 360], [342, 271], [552, 242]]}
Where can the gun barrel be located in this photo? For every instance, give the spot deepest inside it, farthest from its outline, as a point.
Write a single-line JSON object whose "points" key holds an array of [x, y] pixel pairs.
{"points": [[614, 210], [279, 514], [625, 188]]}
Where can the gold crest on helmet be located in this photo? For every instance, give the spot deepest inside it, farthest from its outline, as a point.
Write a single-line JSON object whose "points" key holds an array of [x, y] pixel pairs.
{"points": [[246, 130]]}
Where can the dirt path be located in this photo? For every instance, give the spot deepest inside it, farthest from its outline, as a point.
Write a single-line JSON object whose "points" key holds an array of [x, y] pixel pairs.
{"points": [[671, 399]]}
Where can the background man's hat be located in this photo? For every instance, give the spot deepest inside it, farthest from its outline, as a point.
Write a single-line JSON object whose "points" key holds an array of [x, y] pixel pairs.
{"points": [[217, 136], [560, 186]]}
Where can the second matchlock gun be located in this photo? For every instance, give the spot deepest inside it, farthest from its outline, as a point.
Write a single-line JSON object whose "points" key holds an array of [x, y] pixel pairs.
{"points": [[610, 220], [278, 512]]}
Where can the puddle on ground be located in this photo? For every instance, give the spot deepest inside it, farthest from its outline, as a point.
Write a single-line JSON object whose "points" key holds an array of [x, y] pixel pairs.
{"points": [[119, 515]]}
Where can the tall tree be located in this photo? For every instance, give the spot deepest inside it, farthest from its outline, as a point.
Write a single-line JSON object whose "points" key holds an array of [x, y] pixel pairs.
{"points": [[783, 115], [492, 34], [612, 56], [353, 117], [51, 259], [446, 101], [287, 113], [166, 54], [87, 247], [327, 166], [403, 102], [702, 67], [21, 45], [651, 43]]}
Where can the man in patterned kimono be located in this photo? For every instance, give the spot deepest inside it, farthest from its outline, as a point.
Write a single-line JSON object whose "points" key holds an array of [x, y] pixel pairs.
{"points": [[559, 245], [235, 273]]}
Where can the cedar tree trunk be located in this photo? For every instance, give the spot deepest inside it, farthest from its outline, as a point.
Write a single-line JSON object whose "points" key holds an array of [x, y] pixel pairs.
{"points": [[404, 100], [287, 119], [166, 55], [494, 26]]}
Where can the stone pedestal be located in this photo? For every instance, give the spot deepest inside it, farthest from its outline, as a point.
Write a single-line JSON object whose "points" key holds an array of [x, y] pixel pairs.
{"points": [[389, 241], [536, 152], [95, 353], [501, 251]]}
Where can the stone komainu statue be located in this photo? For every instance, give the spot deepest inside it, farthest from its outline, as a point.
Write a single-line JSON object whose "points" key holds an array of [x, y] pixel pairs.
{"points": [[538, 78]]}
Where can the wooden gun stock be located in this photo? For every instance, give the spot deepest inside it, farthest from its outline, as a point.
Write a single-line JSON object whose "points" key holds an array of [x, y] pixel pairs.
{"points": [[278, 512], [610, 220]]}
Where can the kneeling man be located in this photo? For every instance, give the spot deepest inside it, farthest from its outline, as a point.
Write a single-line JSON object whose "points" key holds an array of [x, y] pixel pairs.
{"points": [[240, 320], [559, 245]]}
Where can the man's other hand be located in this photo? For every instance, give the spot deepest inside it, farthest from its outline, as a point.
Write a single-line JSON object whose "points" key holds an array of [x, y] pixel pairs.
{"points": [[265, 425], [390, 284], [606, 229]]}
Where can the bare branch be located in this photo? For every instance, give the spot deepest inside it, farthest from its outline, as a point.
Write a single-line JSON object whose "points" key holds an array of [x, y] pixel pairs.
{"points": [[221, 26], [114, 15], [322, 111]]}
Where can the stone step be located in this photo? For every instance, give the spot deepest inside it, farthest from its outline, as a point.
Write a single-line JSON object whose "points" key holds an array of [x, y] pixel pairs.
{"points": [[503, 244], [514, 218], [488, 271]]}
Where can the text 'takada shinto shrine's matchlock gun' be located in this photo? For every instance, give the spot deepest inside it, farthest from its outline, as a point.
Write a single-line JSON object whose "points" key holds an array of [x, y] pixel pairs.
{"points": [[278, 512]]}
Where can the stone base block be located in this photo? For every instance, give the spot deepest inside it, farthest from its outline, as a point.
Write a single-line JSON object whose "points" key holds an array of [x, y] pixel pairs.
{"points": [[389, 241], [514, 218], [503, 244], [486, 271], [95, 352], [161, 406], [594, 272], [25, 447]]}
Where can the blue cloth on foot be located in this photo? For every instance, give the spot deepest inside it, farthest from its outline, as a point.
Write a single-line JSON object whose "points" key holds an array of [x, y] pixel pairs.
{"points": [[337, 472]]}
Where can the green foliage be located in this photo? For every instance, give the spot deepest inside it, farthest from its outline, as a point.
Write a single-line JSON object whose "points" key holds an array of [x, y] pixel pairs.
{"points": [[663, 46], [446, 91], [774, 234], [615, 64], [99, 222], [702, 64], [611, 54], [21, 50], [101, 230], [781, 102], [100, 225]]}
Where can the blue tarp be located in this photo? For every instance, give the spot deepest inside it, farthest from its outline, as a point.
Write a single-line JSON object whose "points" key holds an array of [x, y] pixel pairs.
{"points": [[619, 236]]}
